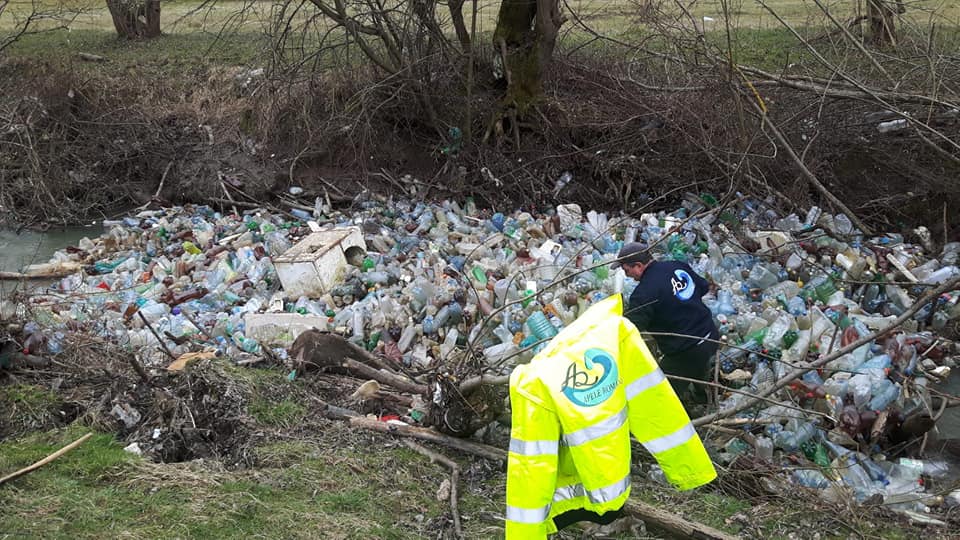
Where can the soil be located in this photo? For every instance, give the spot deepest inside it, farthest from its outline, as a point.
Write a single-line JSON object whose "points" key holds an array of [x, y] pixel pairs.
{"points": [[205, 140]]}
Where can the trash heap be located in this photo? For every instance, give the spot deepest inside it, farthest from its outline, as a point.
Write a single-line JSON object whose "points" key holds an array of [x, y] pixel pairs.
{"points": [[426, 285]]}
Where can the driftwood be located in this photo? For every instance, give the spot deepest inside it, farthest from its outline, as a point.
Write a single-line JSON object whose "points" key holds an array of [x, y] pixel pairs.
{"points": [[454, 479], [472, 383], [673, 523], [45, 460]]}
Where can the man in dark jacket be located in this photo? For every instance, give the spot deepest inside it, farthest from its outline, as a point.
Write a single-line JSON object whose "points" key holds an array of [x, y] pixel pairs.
{"points": [[668, 300]]}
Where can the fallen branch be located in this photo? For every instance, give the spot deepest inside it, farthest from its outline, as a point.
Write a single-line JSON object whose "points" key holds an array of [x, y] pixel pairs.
{"points": [[472, 383], [812, 178], [384, 377], [45, 460], [424, 434], [138, 367], [87, 57], [796, 373], [673, 523], [454, 480], [156, 335]]}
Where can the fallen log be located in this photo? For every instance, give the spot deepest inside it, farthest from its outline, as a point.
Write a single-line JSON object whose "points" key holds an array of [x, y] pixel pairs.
{"points": [[673, 523]]}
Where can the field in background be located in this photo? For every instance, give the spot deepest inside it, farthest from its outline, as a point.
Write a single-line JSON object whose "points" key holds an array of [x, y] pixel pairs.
{"points": [[607, 16]]}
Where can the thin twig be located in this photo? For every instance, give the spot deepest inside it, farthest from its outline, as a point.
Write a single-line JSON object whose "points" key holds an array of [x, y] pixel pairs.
{"points": [[156, 335], [454, 479]]}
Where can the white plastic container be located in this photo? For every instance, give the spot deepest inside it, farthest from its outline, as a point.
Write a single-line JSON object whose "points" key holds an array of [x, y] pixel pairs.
{"points": [[316, 263]]}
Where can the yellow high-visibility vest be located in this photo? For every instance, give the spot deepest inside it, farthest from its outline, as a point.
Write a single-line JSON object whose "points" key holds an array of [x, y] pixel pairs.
{"points": [[575, 406]]}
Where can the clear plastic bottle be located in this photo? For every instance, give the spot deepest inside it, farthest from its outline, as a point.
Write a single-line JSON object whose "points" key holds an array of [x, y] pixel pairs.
{"points": [[810, 478], [540, 326], [884, 393], [764, 448], [406, 337]]}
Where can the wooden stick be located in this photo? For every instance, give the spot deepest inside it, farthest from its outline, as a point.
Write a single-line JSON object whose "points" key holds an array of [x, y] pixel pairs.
{"points": [[424, 434], [454, 479], [673, 523], [46, 460], [17, 276], [138, 367]]}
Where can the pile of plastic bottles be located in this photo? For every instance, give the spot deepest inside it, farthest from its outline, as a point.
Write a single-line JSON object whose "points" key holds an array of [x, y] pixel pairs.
{"points": [[446, 277]]}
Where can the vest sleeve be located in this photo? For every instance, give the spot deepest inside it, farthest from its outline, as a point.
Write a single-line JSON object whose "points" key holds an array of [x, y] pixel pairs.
{"points": [[657, 418], [531, 467]]}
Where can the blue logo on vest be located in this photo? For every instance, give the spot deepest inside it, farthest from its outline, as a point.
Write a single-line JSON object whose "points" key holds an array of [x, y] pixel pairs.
{"points": [[682, 284], [595, 383]]}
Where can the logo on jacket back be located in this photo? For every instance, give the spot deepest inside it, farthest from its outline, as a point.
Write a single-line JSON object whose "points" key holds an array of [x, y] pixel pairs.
{"points": [[682, 284], [594, 384]]}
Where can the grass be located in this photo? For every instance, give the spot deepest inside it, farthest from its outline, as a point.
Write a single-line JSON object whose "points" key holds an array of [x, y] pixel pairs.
{"points": [[24, 407], [285, 413], [358, 490], [235, 33], [340, 484]]}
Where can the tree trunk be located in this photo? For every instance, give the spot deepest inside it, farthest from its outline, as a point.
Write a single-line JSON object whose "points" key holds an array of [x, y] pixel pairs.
{"points": [[883, 30], [135, 19], [456, 17], [524, 39]]}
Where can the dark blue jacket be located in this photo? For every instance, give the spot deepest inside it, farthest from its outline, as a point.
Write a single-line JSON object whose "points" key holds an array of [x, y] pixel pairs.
{"points": [[668, 298]]}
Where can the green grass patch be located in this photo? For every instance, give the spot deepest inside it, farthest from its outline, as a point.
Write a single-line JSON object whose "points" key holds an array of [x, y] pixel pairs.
{"points": [[357, 488], [285, 413], [28, 396]]}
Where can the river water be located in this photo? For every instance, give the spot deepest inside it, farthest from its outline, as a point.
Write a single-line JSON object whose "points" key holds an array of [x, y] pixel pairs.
{"points": [[29, 247]]}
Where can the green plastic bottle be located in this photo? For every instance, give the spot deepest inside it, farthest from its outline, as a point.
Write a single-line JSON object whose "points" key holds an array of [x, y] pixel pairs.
{"points": [[789, 338]]}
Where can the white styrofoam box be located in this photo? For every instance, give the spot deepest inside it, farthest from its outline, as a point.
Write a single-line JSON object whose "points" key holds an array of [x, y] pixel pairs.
{"points": [[280, 328], [316, 263]]}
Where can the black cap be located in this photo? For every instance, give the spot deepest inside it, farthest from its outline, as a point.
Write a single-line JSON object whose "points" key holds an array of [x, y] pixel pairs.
{"points": [[632, 253]]}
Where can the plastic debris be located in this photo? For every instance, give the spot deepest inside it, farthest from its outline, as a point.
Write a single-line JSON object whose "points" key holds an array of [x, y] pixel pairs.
{"points": [[425, 283]]}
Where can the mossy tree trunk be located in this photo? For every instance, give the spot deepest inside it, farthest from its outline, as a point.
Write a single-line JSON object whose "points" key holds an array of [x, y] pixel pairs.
{"points": [[135, 19], [525, 38]]}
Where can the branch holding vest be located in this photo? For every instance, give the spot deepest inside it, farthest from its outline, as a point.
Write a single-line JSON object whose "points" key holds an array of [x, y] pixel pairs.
{"points": [[673, 523]]}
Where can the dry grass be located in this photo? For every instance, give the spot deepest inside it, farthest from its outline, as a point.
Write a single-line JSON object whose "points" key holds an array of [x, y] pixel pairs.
{"points": [[606, 16]]}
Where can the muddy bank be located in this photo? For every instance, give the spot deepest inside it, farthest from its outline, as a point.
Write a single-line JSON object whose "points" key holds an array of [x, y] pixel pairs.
{"points": [[80, 148]]}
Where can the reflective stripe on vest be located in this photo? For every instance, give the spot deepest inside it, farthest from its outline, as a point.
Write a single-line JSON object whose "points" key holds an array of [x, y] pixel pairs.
{"points": [[648, 381], [533, 448], [528, 515], [596, 496], [673, 440], [596, 431]]}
